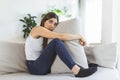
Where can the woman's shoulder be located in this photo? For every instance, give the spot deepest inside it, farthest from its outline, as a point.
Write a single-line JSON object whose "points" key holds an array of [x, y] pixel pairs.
{"points": [[35, 32], [38, 28]]}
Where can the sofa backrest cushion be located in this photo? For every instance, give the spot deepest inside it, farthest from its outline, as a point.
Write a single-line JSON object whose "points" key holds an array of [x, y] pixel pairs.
{"points": [[104, 55], [12, 57]]}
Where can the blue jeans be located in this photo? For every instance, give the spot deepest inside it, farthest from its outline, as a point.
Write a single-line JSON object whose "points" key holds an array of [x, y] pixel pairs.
{"points": [[43, 64]]}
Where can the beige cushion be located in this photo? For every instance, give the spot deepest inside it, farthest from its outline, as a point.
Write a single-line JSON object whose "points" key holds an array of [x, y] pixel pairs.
{"points": [[12, 57], [103, 55], [75, 49]]}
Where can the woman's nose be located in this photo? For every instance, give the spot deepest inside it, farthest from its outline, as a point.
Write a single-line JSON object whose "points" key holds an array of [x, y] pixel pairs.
{"points": [[52, 25]]}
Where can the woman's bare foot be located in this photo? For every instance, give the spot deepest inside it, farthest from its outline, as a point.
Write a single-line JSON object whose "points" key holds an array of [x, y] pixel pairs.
{"points": [[75, 69], [79, 72]]}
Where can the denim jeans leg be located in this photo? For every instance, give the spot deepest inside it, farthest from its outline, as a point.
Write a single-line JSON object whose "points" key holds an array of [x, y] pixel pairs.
{"points": [[43, 64]]}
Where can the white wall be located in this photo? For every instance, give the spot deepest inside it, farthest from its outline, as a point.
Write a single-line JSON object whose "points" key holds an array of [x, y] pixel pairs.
{"points": [[82, 15], [93, 20], [12, 10], [107, 21], [118, 31], [118, 22], [110, 21]]}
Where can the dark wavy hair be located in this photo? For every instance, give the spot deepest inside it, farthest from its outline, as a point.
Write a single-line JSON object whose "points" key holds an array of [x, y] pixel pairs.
{"points": [[47, 17]]}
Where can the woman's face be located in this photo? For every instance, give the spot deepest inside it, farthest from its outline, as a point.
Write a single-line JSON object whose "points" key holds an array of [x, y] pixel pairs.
{"points": [[50, 24]]}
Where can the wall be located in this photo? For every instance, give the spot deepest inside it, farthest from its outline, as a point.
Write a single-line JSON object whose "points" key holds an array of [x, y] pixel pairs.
{"points": [[118, 31], [93, 20], [118, 22], [107, 21], [110, 21], [82, 15], [13, 10]]}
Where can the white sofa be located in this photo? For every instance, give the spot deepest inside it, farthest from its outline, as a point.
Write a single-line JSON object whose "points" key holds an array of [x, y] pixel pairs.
{"points": [[12, 66], [13, 63]]}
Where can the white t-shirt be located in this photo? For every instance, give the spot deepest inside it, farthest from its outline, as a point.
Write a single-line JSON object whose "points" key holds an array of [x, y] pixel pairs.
{"points": [[33, 47]]}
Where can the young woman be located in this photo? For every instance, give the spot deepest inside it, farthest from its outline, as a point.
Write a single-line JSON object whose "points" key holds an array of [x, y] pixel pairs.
{"points": [[40, 55]]}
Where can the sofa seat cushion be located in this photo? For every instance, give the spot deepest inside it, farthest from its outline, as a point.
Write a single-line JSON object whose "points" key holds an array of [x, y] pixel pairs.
{"points": [[101, 74]]}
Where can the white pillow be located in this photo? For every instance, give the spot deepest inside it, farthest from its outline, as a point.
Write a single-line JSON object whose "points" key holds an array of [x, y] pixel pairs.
{"points": [[77, 52], [74, 47], [12, 57], [103, 55]]}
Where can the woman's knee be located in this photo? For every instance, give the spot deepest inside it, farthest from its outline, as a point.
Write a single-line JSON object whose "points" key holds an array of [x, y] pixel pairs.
{"points": [[57, 41]]}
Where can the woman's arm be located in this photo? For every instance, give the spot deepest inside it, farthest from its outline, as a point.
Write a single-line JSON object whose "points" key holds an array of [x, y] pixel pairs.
{"points": [[41, 31]]}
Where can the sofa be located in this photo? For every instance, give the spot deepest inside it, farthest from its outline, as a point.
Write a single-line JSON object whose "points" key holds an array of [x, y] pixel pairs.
{"points": [[13, 63]]}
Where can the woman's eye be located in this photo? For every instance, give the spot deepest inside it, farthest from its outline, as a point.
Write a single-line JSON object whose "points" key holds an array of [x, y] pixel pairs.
{"points": [[55, 24], [50, 21]]}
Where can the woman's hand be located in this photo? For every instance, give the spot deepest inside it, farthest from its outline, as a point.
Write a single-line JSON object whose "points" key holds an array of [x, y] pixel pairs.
{"points": [[82, 41]]}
